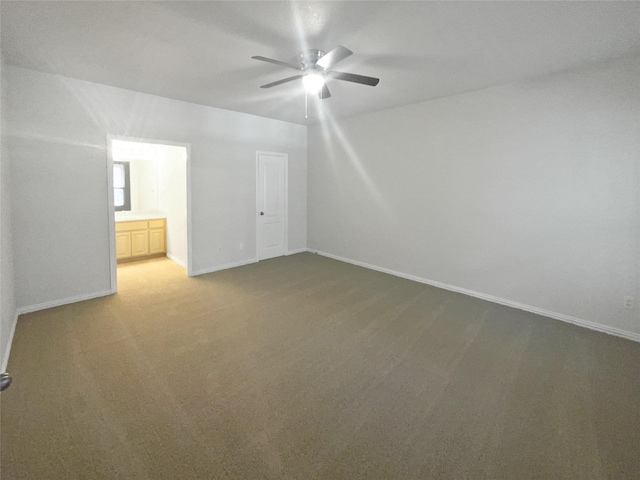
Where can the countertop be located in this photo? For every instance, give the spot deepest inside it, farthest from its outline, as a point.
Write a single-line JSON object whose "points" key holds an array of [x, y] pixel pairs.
{"points": [[139, 215]]}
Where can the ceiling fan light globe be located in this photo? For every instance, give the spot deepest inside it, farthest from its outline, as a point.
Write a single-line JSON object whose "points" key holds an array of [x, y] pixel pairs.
{"points": [[313, 82]]}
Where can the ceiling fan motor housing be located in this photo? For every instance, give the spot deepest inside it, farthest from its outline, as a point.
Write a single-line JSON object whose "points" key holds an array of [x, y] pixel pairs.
{"points": [[309, 59], [314, 68]]}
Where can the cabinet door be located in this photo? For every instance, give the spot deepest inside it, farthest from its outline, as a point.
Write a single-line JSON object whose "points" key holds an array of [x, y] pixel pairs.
{"points": [[156, 240], [123, 245], [140, 243]]}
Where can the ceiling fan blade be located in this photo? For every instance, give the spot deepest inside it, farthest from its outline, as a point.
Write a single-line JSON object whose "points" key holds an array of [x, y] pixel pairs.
{"points": [[280, 82], [324, 93], [334, 56], [277, 62], [352, 77]]}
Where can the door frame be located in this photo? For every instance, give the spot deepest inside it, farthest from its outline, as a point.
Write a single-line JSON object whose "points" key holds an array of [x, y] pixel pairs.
{"points": [[285, 157], [111, 209]]}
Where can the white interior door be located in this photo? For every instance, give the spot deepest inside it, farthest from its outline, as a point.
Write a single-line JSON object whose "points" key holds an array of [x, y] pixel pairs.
{"points": [[272, 205]]}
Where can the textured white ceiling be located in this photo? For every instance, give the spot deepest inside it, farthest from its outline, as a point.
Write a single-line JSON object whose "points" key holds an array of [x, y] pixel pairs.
{"points": [[201, 51]]}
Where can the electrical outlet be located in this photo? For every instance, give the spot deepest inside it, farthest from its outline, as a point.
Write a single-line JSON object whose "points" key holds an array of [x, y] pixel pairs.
{"points": [[219, 249], [628, 302]]}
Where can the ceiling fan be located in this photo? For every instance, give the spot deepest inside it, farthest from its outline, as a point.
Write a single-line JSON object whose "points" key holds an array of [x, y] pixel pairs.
{"points": [[315, 65]]}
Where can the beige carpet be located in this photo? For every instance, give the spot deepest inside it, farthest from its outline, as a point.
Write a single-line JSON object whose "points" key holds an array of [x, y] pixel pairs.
{"points": [[303, 367]]}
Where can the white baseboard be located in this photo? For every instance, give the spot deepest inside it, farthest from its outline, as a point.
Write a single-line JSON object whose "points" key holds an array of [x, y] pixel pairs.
{"points": [[64, 301], [176, 260], [299, 250], [502, 301], [5, 360], [223, 267], [239, 264]]}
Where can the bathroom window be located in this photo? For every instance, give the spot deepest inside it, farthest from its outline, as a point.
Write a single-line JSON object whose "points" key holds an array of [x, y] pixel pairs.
{"points": [[121, 186]]}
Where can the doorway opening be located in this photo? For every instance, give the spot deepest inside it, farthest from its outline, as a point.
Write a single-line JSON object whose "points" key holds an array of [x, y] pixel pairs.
{"points": [[149, 186]]}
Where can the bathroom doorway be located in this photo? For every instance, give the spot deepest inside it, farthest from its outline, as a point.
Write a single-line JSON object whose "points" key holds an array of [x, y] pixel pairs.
{"points": [[148, 202]]}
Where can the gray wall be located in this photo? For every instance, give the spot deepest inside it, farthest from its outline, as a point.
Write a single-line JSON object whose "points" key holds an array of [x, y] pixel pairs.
{"points": [[7, 293], [526, 193], [57, 130]]}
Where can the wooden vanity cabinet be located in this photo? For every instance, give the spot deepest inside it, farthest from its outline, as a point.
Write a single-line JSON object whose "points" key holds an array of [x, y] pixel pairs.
{"points": [[140, 238], [157, 236]]}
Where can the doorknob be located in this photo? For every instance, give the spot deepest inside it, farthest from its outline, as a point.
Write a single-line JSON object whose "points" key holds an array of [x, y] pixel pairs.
{"points": [[261, 213], [5, 381]]}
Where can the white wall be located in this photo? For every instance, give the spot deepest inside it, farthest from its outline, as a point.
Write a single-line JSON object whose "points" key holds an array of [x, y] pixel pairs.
{"points": [[7, 293], [528, 192], [143, 178], [57, 131], [172, 198]]}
